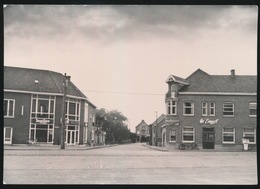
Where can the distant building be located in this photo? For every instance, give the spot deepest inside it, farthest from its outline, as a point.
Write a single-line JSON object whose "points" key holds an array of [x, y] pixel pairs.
{"points": [[214, 111], [142, 132], [33, 109], [157, 130]]}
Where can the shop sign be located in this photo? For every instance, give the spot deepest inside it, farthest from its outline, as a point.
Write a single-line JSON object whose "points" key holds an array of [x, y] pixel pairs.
{"points": [[208, 121], [42, 121]]}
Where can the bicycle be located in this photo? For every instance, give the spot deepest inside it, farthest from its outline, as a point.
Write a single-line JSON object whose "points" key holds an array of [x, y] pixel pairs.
{"points": [[33, 142], [188, 146]]}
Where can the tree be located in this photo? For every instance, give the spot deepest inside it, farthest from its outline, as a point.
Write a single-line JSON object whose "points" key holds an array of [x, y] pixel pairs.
{"points": [[114, 124]]}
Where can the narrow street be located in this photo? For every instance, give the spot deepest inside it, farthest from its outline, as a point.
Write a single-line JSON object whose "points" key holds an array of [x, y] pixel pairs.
{"points": [[128, 164]]}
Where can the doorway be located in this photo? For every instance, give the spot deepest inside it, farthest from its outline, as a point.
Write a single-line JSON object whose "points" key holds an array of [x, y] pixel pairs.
{"points": [[8, 134], [208, 138], [70, 137]]}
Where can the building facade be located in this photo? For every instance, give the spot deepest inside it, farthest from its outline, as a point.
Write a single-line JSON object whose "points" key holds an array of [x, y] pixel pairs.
{"points": [[213, 111], [142, 132], [157, 130], [33, 109]]}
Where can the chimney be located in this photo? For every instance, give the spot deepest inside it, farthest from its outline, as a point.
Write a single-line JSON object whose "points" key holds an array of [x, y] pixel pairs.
{"points": [[232, 73]]}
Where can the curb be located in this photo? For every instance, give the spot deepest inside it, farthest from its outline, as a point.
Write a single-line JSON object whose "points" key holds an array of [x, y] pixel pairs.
{"points": [[57, 149], [156, 148]]}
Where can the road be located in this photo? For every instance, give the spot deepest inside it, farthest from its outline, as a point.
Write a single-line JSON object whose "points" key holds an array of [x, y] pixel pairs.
{"points": [[128, 164]]}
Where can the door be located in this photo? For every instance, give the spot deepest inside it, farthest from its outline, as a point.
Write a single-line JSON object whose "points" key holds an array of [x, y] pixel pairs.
{"points": [[208, 138], [8, 134], [70, 137]]}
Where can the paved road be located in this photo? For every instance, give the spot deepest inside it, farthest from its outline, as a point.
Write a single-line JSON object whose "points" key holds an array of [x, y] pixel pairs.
{"points": [[128, 164]]}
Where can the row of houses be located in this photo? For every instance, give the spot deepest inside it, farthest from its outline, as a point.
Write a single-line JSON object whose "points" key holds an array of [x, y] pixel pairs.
{"points": [[213, 111], [33, 101]]}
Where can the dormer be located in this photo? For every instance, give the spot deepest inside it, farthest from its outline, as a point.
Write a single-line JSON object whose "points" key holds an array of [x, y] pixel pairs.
{"points": [[174, 84]]}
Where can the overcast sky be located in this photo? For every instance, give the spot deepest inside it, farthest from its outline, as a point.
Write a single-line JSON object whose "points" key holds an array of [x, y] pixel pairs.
{"points": [[121, 56]]}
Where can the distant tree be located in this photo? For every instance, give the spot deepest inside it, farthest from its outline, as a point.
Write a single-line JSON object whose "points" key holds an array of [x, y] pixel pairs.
{"points": [[114, 124]]}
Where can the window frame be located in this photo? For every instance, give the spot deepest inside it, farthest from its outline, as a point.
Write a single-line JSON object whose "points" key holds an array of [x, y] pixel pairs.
{"points": [[224, 111], [171, 107], [8, 108], [193, 134], [204, 106], [170, 135], [212, 107], [228, 132], [76, 114], [185, 107], [246, 132], [252, 103]]}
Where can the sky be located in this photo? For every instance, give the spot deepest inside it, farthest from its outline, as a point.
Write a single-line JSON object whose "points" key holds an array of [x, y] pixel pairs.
{"points": [[120, 56]]}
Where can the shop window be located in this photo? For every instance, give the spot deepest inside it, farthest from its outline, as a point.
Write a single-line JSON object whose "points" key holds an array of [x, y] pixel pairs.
{"points": [[173, 135], [252, 109], [228, 109], [249, 133], [188, 134], [188, 108], [9, 107], [228, 135]]}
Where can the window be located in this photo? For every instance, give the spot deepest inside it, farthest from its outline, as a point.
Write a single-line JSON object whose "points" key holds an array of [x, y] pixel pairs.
{"points": [[9, 108], [188, 108], [249, 133], [252, 109], [42, 106], [172, 107], [93, 120], [188, 134], [86, 113], [72, 109], [205, 108], [228, 135], [173, 135], [228, 109], [212, 108]]}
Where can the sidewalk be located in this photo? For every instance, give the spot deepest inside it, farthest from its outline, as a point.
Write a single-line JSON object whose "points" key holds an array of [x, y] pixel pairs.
{"points": [[52, 147], [156, 147], [200, 150]]}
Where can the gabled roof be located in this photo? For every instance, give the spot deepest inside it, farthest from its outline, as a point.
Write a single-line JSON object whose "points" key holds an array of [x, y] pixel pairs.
{"points": [[177, 80], [23, 79], [142, 122], [158, 120], [200, 81]]}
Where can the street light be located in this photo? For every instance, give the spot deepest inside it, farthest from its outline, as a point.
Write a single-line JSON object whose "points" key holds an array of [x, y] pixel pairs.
{"points": [[66, 80]]}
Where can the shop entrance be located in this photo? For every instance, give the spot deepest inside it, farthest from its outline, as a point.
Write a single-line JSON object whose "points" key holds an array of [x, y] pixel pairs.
{"points": [[8, 132], [72, 135], [208, 138]]}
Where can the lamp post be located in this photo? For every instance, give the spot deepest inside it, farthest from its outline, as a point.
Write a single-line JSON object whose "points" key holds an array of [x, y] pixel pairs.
{"points": [[66, 80]]}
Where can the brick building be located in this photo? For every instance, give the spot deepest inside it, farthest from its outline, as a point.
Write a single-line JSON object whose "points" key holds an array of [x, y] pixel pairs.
{"points": [[157, 130], [33, 109], [214, 111], [142, 132]]}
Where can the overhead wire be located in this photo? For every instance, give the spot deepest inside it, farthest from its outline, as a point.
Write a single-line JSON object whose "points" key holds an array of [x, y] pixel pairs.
{"points": [[127, 93]]}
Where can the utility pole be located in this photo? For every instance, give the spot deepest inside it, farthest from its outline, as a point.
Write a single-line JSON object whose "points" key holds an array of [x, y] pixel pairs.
{"points": [[66, 80]]}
